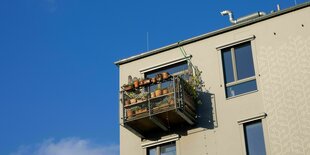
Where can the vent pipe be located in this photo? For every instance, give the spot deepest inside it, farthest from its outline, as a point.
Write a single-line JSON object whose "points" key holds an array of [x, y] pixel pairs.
{"points": [[241, 19]]}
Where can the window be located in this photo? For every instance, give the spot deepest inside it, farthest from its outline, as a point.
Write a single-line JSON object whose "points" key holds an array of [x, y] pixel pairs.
{"points": [[238, 68], [254, 138], [164, 149]]}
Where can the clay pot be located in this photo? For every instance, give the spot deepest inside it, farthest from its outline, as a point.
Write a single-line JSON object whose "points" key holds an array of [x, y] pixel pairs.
{"points": [[136, 83], [141, 82], [159, 77], [153, 80], [127, 102], [165, 91], [133, 100], [153, 94], [158, 92], [147, 81], [129, 113], [165, 75]]}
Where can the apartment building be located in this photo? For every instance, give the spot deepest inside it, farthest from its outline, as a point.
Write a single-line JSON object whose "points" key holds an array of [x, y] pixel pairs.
{"points": [[240, 90]]}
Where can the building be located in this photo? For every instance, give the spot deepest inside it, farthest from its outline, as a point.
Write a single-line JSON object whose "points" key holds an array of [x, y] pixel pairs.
{"points": [[254, 98]]}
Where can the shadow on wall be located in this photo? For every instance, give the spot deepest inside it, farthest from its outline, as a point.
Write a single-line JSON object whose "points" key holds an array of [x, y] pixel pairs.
{"points": [[206, 111]]}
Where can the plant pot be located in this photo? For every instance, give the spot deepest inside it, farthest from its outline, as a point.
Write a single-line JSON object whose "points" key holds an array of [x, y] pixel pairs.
{"points": [[165, 75], [129, 113], [153, 80], [141, 83], [127, 102], [165, 91], [159, 77], [153, 94], [158, 92], [171, 101], [133, 100], [147, 81], [136, 84]]}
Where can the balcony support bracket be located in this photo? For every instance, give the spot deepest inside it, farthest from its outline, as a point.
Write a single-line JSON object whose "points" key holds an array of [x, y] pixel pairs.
{"points": [[159, 123], [185, 117], [133, 131]]}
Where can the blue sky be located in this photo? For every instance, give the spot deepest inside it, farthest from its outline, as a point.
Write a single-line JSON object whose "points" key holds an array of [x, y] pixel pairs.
{"points": [[58, 83]]}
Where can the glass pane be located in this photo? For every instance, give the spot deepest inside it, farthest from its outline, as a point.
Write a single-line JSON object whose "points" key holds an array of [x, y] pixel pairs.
{"points": [[182, 66], [241, 88], [254, 138], [168, 149], [227, 66], [151, 151], [244, 61]]}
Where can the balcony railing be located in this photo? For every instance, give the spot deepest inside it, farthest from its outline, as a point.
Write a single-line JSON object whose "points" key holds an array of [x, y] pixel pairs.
{"points": [[159, 111]]}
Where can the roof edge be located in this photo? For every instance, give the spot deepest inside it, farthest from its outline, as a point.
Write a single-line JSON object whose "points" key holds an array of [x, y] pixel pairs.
{"points": [[211, 34]]}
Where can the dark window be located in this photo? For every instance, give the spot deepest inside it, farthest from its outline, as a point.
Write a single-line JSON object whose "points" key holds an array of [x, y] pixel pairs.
{"points": [[177, 68], [238, 68], [254, 138], [164, 149]]}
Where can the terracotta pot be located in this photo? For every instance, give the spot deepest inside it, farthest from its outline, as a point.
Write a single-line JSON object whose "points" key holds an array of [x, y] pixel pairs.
{"points": [[153, 94], [153, 80], [158, 92], [136, 83], [129, 113], [165, 75], [141, 83], [159, 78], [133, 100], [127, 102], [171, 101], [165, 91], [147, 81]]}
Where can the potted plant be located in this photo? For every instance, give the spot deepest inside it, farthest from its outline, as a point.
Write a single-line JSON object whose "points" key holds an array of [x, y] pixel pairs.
{"points": [[158, 90], [165, 91], [133, 97], [130, 113], [136, 82], [141, 82], [127, 102], [153, 80], [159, 77], [153, 94], [147, 81], [165, 75], [136, 110]]}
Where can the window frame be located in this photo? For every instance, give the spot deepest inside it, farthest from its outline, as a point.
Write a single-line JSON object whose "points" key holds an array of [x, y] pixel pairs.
{"points": [[158, 147], [258, 117], [231, 46]]}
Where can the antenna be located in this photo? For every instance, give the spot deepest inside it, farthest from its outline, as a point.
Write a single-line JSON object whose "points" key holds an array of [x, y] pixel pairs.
{"points": [[147, 41]]}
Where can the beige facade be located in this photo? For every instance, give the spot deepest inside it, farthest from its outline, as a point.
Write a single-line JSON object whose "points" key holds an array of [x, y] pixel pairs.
{"points": [[280, 45]]}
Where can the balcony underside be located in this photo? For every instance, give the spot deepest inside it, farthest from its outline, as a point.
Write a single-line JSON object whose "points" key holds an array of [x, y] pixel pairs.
{"points": [[164, 120]]}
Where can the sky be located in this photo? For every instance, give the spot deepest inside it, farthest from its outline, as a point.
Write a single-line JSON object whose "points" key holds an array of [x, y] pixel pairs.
{"points": [[58, 84]]}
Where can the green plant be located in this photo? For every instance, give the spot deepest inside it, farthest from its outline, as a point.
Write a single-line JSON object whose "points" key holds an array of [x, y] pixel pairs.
{"points": [[132, 95], [158, 87]]}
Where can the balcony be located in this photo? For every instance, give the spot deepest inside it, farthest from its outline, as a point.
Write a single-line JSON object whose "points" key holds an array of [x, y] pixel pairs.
{"points": [[148, 111]]}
